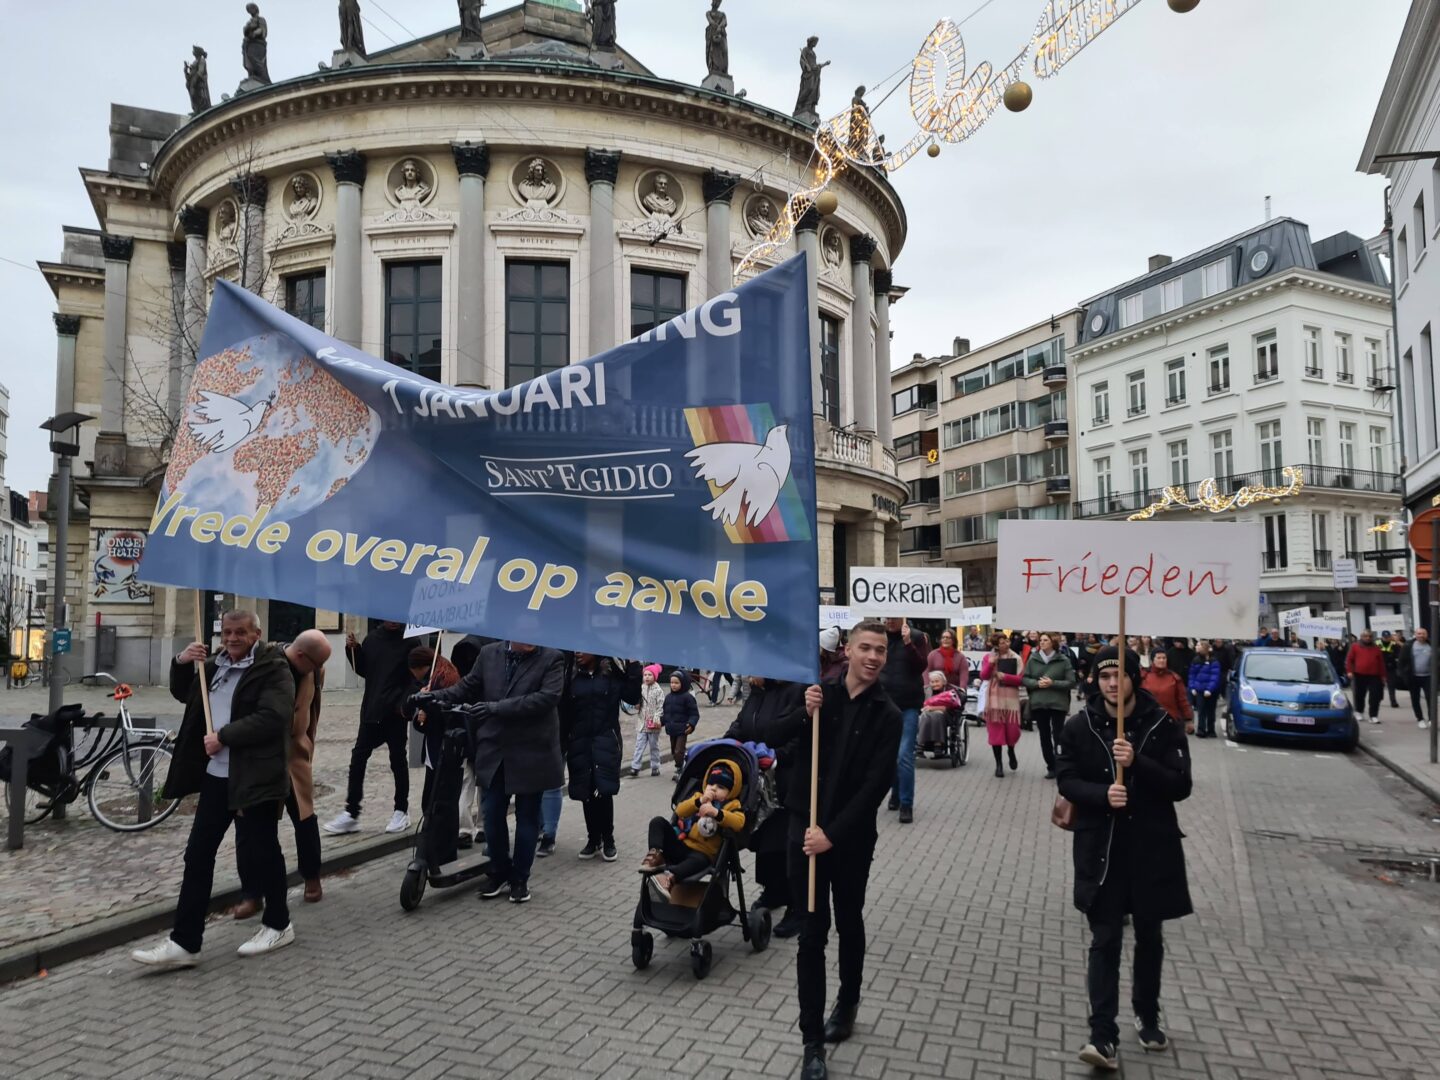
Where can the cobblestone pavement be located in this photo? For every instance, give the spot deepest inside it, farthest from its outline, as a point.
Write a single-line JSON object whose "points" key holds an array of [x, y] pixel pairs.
{"points": [[1303, 960]]}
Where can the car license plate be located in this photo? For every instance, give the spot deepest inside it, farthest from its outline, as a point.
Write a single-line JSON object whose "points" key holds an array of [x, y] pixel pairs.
{"points": [[1298, 721]]}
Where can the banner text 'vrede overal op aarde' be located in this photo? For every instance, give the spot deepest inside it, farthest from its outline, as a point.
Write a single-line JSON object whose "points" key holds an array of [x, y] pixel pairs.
{"points": [[655, 501]]}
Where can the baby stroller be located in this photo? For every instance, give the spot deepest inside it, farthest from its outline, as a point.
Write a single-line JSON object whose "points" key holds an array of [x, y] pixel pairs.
{"points": [[710, 888]]}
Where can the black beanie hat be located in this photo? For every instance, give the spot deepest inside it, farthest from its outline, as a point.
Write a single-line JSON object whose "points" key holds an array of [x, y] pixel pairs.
{"points": [[1109, 657], [722, 775]]}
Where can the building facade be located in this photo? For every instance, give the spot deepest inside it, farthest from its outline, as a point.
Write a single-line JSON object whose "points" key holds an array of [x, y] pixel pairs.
{"points": [[1263, 351], [479, 222], [982, 436], [1404, 145]]}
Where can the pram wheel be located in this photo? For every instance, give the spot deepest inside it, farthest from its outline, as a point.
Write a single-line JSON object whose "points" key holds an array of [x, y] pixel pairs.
{"points": [[759, 920], [642, 948], [700, 956], [412, 886]]}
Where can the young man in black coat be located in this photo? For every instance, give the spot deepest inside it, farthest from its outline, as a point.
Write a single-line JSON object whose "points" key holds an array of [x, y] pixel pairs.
{"points": [[1128, 856], [514, 693], [859, 737]]}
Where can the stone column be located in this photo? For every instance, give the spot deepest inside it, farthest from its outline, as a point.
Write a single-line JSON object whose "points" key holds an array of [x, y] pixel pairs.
{"points": [[195, 224], [250, 193], [175, 377], [117, 250], [472, 161], [807, 239], [719, 188], [862, 356], [349, 169], [602, 167], [67, 328], [884, 411]]}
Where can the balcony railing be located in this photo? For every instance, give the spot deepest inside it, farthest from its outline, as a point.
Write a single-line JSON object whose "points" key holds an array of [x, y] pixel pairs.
{"points": [[1135, 410], [1316, 476], [1322, 558], [1056, 430], [1057, 485], [1219, 388], [1345, 376], [1055, 375], [1274, 560], [1314, 372], [1265, 375]]}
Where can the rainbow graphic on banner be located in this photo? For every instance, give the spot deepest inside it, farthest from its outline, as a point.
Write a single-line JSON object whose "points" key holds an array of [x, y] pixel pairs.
{"points": [[787, 520]]}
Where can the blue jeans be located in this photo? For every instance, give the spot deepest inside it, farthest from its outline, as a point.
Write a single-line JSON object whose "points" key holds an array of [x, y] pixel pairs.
{"points": [[551, 803], [905, 762], [514, 869]]}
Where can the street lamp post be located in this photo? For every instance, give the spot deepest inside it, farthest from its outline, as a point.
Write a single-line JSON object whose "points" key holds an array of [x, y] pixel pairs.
{"points": [[65, 445]]}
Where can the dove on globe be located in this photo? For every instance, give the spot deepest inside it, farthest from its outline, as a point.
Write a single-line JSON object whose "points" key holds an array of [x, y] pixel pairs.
{"points": [[222, 423], [749, 474]]}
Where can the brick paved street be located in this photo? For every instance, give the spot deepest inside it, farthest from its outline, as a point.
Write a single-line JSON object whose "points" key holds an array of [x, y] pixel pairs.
{"points": [[1303, 961]]}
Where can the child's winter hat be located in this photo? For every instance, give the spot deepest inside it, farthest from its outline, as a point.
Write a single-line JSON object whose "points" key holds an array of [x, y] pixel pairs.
{"points": [[723, 775]]}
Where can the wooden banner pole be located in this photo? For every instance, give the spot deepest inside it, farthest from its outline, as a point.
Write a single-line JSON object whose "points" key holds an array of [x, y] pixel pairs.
{"points": [[814, 793], [201, 637], [1120, 702], [435, 661]]}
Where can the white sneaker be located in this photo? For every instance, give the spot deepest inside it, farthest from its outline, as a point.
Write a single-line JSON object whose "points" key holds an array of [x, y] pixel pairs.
{"points": [[1374, 719], [399, 822], [168, 954], [1424, 724], [343, 823], [268, 940]]}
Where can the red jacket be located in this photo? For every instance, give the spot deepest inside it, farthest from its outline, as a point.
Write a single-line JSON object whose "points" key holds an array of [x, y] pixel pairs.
{"points": [[1365, 659], [1168, 690]]}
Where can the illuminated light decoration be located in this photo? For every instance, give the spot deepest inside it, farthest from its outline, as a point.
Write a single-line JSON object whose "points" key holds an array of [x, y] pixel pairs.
{"points": [[1208, 497], [1384, 526], [945, 104], [1018, 96]]}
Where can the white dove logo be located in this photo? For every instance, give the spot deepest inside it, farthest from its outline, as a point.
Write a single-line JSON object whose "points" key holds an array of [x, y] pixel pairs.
{"points": [[222, 423], [750, 475]]}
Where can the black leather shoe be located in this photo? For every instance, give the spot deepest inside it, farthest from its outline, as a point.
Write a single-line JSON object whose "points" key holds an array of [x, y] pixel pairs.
{"points": [[907, 815], [814, 1067], [790, 925], [841, 1024], [894, 802]]}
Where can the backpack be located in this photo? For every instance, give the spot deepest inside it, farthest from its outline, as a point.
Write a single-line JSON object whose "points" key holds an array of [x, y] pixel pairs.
{"points": [[49, 763]]}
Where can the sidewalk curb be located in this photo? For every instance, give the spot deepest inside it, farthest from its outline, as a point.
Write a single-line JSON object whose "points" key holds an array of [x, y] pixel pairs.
{"points": [[1414, 779], [22, 961]]}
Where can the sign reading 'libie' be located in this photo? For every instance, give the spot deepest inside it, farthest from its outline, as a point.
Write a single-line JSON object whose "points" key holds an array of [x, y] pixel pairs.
{"points": [[656, 501], [1200, 579]]}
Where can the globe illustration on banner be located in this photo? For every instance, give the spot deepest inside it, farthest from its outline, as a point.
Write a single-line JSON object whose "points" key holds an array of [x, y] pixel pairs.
{"points": [[266, 426]]}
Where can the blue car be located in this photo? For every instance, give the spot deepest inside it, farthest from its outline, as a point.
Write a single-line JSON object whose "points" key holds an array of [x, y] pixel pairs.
{"points": [[1290, 694]]}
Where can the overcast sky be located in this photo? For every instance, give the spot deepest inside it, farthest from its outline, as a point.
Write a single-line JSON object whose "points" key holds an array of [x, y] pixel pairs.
{"points": [[1165, 135]]}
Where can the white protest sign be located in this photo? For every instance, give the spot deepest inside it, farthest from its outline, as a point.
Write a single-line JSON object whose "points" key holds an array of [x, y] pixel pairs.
{"points": [[1292, 617], [1197, 579], [843, 617], [906, 592], [1346, 574], [1381, 623], [978, 616], [1320, 628], [416, 631]]}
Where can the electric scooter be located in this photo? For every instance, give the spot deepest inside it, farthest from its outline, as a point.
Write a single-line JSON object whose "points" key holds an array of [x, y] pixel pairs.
{"points": [[436, 861]]}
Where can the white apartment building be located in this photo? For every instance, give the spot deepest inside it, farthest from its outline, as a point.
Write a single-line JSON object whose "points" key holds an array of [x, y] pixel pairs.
{"points": [[1404, 145], [1259, 352]]}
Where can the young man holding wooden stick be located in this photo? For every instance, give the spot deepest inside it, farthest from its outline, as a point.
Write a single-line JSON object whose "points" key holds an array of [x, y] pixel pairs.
{"points": [[1124, 764], [844, 765]]}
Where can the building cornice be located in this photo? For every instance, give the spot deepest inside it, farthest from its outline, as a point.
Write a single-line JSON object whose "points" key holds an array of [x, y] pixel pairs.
{"points": [[59, 275], [1400, 97], [106, 187], [1314, 280], [248, 116]]}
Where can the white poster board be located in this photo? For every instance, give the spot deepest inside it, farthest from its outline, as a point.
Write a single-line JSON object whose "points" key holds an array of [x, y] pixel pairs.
{"points": [[1320, 628], [1292, 617], [1347, 575], [906, 592], [840, 616], [1392, 623], [978, 616], [416, 631], [1194, 579]]}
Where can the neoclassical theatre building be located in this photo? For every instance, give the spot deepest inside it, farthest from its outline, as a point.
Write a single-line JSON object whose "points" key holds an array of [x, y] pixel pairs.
{"points": [[477, 215]]}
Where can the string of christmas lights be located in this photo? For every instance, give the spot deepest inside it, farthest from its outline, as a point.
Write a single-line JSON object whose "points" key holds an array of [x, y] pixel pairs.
{"points": [[1208, 496]]}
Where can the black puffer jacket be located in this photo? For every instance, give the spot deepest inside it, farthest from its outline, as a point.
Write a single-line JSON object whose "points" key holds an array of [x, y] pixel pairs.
{"points": [[590, 726], [1159, 778], [680, 713], [766, 704]]}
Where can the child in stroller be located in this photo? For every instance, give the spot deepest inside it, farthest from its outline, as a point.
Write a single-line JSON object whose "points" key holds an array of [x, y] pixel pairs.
{"points": [[719, 800]]}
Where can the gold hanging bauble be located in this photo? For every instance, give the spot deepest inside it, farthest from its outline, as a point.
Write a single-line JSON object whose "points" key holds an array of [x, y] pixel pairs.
{"points": [[1182, 7], [826, 203], [1018, 96], [933, 149]]}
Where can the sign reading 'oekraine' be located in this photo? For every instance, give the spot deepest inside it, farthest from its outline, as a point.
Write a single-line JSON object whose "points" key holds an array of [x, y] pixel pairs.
{"points": [[1192, 579]]}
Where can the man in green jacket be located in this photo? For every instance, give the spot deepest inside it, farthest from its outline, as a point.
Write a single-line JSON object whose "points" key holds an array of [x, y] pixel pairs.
{"points": [[239, 771], [1050, 678]]}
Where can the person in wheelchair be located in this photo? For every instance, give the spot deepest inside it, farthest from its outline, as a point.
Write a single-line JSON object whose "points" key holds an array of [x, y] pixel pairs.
{"points": [[941, 701], [689, 841]]}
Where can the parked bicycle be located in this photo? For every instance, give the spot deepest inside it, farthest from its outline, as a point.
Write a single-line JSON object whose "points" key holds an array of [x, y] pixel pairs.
{"points": [[119, 769]]}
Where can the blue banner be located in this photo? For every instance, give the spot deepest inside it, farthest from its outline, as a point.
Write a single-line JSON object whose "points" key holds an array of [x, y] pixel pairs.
{"points": [[656, 501]]}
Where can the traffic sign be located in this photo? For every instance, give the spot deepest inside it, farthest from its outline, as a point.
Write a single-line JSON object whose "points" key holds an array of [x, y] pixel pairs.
{"points": [[1399, 584], [62, 641], [1421, 532]]}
